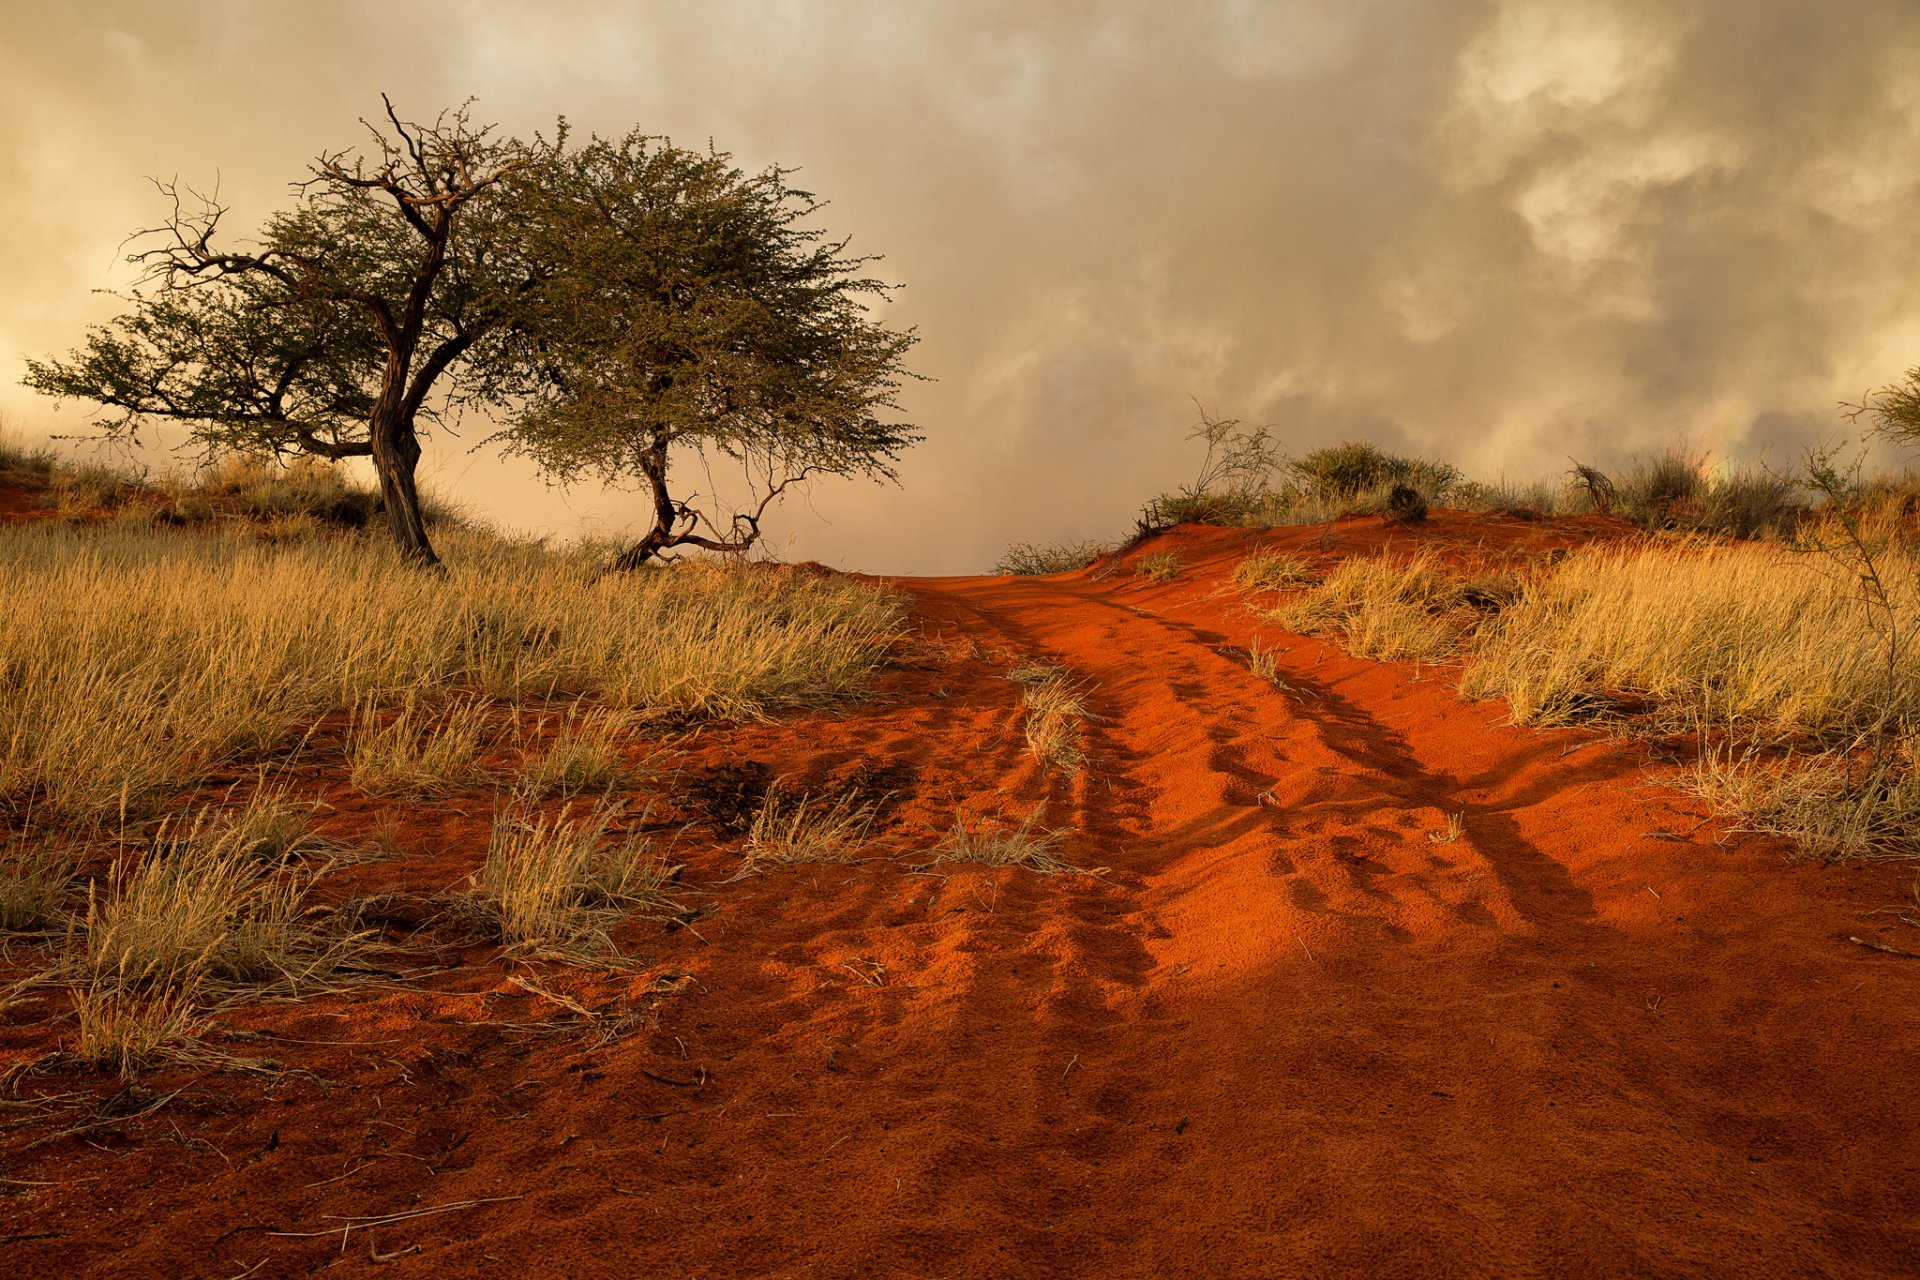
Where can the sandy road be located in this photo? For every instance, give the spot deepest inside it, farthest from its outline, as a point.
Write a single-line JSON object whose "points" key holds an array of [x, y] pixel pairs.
{"points": [[1299, 1027]]}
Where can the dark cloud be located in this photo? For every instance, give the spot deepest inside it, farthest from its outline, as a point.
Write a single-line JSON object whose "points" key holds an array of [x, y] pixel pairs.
{"points": [[1497, 233]]}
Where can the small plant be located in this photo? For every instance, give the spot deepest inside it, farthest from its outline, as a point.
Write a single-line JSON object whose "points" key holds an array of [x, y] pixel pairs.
{"points": [[202, 904], [998, 846], [33, 883], [1035, 558], [121, 1027], [555, 884], [86, 489], [583, 756], [416, 751], [1271, 571], [789, 830], [1264, 663], [1351, 469], [271, 825], [1055, 710], [1385, 609], [1450, 833], [1158, 566]]}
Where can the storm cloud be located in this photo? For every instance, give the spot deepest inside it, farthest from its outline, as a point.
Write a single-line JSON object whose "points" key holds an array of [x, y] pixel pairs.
{"points": [[1495, 233]]}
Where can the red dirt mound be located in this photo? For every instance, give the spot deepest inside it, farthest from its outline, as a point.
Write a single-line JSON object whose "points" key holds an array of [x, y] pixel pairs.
{"points": [[1300, 1025]]}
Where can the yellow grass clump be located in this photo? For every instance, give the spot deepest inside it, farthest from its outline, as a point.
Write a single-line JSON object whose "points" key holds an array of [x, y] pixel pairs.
{"points": [[786, 831], [1271, 571], [1753, 636], [132, 662], [1056, 709], [1000, 846], [555, 884], [1385, 609]]}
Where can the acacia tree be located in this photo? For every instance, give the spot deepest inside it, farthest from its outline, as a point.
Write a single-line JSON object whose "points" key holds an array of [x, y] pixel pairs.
{"points": [[689, 312], [395, 273]]}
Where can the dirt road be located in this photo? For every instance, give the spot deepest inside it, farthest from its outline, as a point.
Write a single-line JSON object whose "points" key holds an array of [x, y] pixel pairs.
{"points": [[1373, 984]]}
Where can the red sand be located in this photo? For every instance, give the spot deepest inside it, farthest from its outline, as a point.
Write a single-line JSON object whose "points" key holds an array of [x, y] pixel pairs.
{"points": [[1285, 1034]]}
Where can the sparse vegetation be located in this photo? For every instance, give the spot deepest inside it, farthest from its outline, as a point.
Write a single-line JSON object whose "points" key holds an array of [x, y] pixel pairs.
{"points": [[1271, 571], [997, 845], [556, 884], [1055, 712], [1385, 608], [416, 751], [201, 905], [584, 754], [1755, 636], [33, 884], [789, 829], [1158, 566], [135, 663], [1027, 558]]}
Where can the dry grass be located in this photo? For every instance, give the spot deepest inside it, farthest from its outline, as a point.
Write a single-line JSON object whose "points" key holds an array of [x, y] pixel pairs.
{"points": [[1056, 710], [556, 884], [202, 905], [1752, 637], [999, 846], [416, 751], [1061, 557], [135, 663], [120, 1028], [789, 830], [34, 876], [1385, 609], [583, 755], [1830, 806], [1158, 566], [1272, 571]]}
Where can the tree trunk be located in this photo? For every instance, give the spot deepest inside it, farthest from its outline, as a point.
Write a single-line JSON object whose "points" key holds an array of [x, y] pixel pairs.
{"points": [[396, 452]]}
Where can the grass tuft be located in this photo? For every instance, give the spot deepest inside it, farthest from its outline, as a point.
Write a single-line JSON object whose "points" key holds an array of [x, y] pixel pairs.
{"points": [[1272, 571], [999, 846], [555, 884], [416, 751], [791, 830], [1060, 557], [1055, 709], [1159, 566]]}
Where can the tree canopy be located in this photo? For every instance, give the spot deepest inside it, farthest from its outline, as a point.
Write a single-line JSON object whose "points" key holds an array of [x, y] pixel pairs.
{"points": [[619, 303], [691, 309]]}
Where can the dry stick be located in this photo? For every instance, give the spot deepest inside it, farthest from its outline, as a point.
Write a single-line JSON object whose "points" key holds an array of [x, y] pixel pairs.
{"points": [[383, 1219], [1881, 946]]}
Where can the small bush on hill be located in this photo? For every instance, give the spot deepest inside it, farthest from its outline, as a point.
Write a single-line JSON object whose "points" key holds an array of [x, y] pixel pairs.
{"points": [[1060, 557]]}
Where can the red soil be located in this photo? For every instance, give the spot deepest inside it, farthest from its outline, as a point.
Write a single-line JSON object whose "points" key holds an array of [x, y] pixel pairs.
{"points": [[1286, 1033]]}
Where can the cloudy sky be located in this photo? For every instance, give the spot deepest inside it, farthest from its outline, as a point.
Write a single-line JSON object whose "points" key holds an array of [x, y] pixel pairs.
{"points": [[1495, 233]]}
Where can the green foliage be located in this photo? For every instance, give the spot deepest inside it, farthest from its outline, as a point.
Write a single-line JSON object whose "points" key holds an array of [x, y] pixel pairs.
{"points": [[688, 307], [1893, 411], [1233, 475], [1061, 557], [1351, 469]]}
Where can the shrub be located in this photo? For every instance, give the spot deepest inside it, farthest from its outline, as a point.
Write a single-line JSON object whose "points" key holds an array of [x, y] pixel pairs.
{"points": [[1034, 558], [1350, 469]]}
